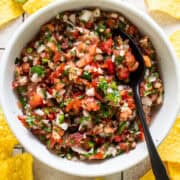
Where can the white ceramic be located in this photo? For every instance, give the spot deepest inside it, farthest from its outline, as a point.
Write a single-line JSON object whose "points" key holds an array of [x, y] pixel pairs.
{"points": [[162, 122]]}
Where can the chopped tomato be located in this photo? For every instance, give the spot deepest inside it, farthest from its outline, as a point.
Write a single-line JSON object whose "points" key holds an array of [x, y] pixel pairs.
{"points": [[89, 24], [110, 66], [132, 30], [92, 50], [123, 73], [75, 104], [52, 46], [25, 67], [35, 100], [84, 61], [90, 104], [97, 156], [23, 120], [57, 56], [75, 34], [124, 146], [111, 22], [106, 46], [131, 62]]}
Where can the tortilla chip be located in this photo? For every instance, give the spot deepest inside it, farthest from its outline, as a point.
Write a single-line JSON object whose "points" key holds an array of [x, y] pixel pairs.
{"points": [[148, 176], [6, 149], [175, 40], [174, 171], [17, 168], [5, 132], [171, 7], [9, 11], [170, 148], [31, 6]]}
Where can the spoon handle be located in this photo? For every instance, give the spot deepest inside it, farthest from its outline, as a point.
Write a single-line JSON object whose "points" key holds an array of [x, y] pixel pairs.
{"points": [[156, 163]]}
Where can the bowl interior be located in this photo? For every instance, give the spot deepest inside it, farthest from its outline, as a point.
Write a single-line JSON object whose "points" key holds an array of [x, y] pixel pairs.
{"points": [[162, 122]]}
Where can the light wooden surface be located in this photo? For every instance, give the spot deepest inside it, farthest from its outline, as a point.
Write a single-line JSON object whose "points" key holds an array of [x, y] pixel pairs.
{"points": [[41, 171]]}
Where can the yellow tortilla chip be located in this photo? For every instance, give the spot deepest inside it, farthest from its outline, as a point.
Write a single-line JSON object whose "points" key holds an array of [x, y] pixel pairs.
{"points": [[17, 168], [171, 7], [175, 40], [6, 148], [170, 148], [148, 176], [5, 132], [31, 6], [174, 171], [9, 10]]}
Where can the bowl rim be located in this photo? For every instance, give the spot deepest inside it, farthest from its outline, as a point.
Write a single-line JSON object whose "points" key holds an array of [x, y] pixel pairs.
{"points": [[23, 27]]}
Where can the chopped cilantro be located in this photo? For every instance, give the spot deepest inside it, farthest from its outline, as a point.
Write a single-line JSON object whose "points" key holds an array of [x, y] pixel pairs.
{"points": [[61, 118], [119, 59], [39, 70], [113, 97], [30, 120], [101, 28], [103, 84], [87, 76], [45, 60], [122, 126], [91, 144], [29, 50]]}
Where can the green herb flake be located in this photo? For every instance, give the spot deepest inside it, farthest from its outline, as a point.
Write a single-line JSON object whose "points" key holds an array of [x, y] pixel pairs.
{"points": [[91, 144], [29, 50], [86, 75], [61, 118], [103, 84], [30, 120], [39, 70], [113, 97], [101, 28], [119, 59], [45, 60], [122, 126], [113, 85]]}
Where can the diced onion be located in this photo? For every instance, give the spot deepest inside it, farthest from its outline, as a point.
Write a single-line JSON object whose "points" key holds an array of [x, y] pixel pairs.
{"points": [[90, 92], [86, 15]]}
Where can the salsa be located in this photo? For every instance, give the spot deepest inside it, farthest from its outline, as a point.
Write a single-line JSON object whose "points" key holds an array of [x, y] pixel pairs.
{"points": [[68, 83]]}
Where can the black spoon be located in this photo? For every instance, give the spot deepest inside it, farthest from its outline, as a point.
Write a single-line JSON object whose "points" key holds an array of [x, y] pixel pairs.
{"points": [[135, 79]]}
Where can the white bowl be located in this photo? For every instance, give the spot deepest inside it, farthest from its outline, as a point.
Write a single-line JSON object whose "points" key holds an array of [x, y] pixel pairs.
{"points": [[162, 122]]}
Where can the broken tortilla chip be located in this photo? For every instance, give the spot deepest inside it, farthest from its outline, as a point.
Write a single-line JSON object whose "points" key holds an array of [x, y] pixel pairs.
{"points": [[31, 6], [148, 176], [18, 167], [5, 132], [175, 40], [9, 11], [170, 7], [6, 149], [173, 170], [170, 149]]}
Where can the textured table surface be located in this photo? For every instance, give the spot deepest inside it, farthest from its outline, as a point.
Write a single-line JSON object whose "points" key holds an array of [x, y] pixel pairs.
{"points": [[41, 171]]}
